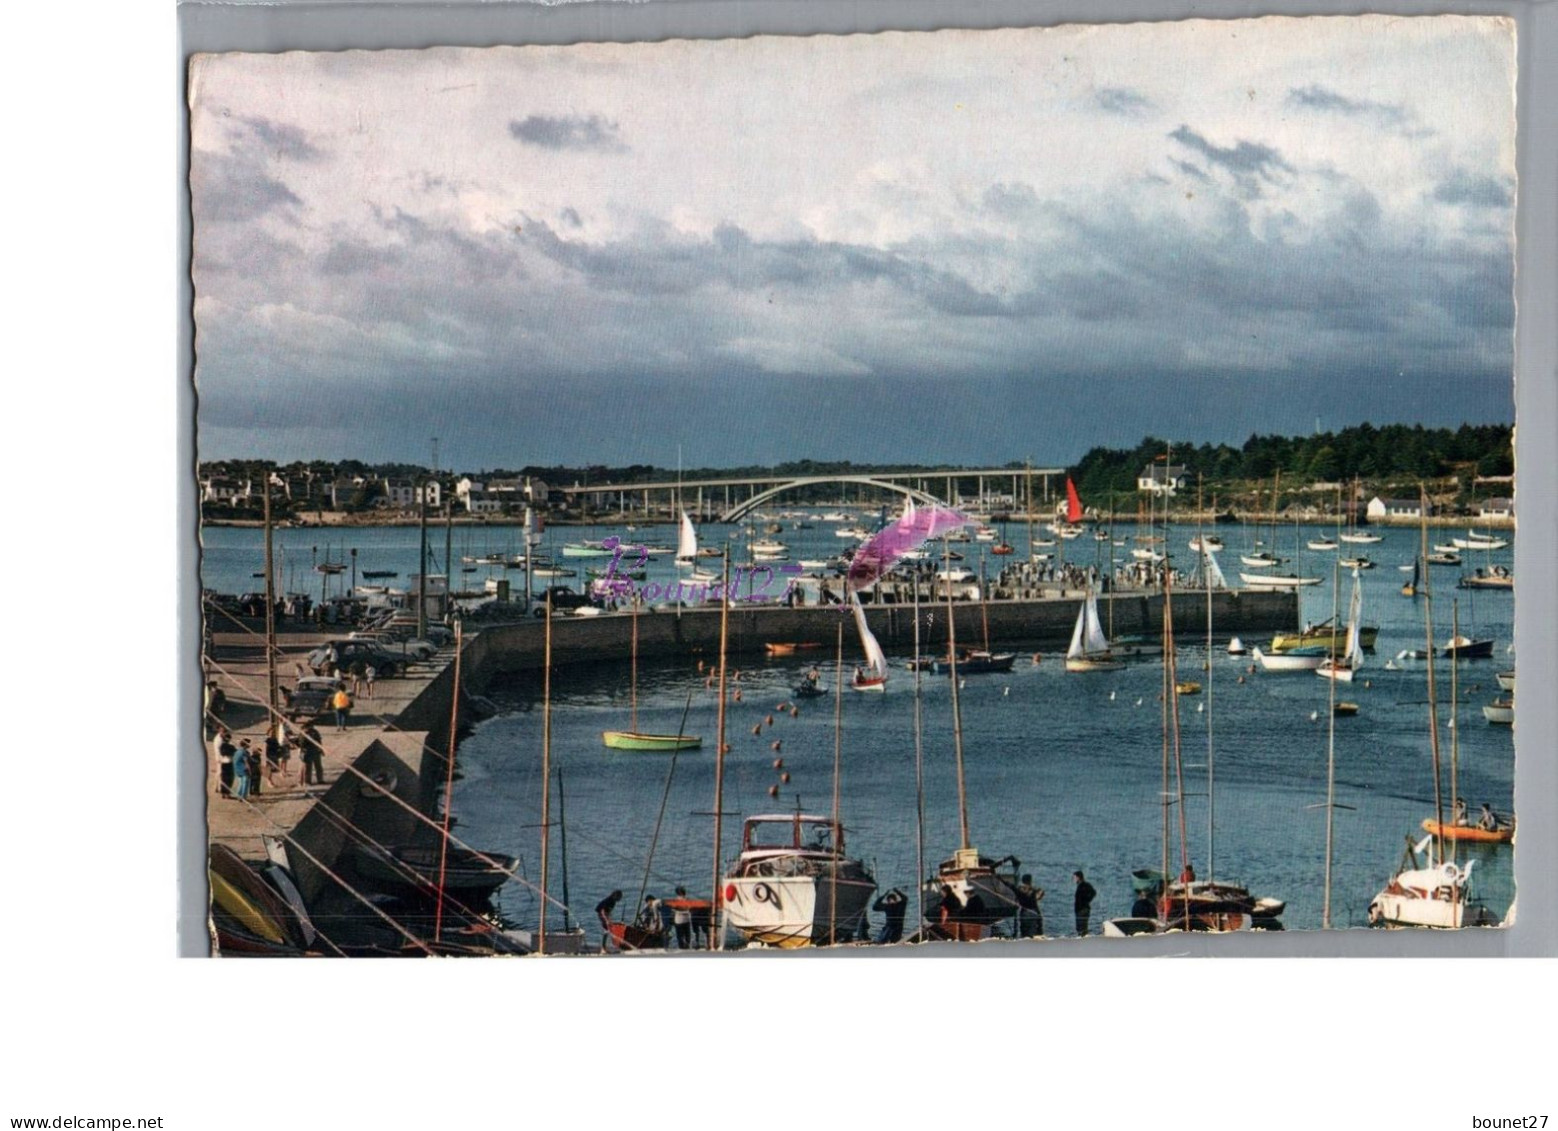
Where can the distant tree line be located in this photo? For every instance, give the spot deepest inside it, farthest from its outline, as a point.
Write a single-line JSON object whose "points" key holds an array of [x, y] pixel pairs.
{"points": [[1390, 452]]}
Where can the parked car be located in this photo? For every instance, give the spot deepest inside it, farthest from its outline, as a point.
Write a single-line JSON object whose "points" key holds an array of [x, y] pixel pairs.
{"points": [[564, 599], [414, 649], [310, 699], [348, 652]]}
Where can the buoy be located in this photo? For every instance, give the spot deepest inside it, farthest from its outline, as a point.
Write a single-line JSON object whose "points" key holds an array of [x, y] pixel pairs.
{"points": [[700, 665], [738, 695], [778, 763], [1006, 691], [1111, 696], [773, 791], [758, 729], [1368, 683], [1138, 702], [769, 720], [962, 683], [774, 745], [1241, 679], [795, 712], [1200, 707], [725, 749], [785, 777], [1036, 658], [1314, 715]]}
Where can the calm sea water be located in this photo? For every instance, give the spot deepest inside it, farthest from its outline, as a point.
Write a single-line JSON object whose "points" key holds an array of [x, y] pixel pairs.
{"points": [[1062, 770]]}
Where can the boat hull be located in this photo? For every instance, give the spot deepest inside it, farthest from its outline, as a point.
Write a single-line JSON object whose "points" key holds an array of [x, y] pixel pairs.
{"points": [[1368, 635], [796, 911], [1501, 712], [1470, 834], [1291, 661], [1094, 664], [629, 740]]}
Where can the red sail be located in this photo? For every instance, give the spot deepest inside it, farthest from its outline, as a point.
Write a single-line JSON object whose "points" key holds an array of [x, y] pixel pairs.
{"points": [[1073, 504]]}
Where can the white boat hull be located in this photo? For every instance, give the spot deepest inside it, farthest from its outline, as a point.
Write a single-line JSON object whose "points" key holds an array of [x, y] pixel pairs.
{"points": [[1506, 680], [796, 911], [1501, 712], [1268, 581], [1287, 662]]}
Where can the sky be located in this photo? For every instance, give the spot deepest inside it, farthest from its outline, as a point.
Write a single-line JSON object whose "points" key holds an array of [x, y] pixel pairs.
{"points": [[962, 246]]}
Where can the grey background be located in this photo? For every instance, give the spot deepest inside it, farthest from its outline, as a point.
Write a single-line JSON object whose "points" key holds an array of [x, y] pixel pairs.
{"points": [[284, 26]]}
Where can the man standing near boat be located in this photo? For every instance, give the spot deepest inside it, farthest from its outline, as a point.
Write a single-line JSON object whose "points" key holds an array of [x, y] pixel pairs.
{"points": [[313, 755], [342, 702], [1082, 904], [893, 904], [681, 919], [1030, 918]]}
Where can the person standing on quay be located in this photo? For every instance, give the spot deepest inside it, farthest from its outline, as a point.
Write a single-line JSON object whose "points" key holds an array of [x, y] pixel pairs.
{"points": [[1083, 903], [1030, 917], [313, 772], [342, 702], [369, 673], [241, 770], [224, 756], [892, 905]]}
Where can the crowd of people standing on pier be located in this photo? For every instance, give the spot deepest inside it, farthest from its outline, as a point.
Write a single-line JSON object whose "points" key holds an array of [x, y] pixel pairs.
{"points": [[244, 769]]}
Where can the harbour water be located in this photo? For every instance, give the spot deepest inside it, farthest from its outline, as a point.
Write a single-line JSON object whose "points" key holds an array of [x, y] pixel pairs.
{"points": [[1063, 770]]}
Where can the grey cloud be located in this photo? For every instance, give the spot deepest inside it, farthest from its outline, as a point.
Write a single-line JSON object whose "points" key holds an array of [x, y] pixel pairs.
{"points": [[1009, 199], [1189, 170], [1325, 100], [235, 187], [279, 139], [1461, 187], [1248, 162], [1123, 101], [568, 132]]}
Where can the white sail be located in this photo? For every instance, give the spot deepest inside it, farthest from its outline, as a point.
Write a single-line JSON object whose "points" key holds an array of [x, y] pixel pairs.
{"points": [[1354, 655], [1214, 572], [876, 661], [687, 545], [1087, 639]]}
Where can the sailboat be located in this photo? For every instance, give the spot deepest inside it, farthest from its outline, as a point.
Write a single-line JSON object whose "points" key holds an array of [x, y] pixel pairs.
{"points": [[632, 738], [1355, 534], [1427, 890], [1089, 651], [969, 892], [1344, 667], [687, 552], [873, 677]]}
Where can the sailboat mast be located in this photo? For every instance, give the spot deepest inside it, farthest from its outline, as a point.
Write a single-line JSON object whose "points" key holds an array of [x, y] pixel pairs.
{"points": [[957, 710], [633, 683], [1455, 723], [716, 942], [562, 836], [443, 851], [1330, 759], [1179, 762], [546, 773], [838, 760], [271, 697], [1028, 508], [984, 609], [1433, 687], [1211, 767], [919, 758]]}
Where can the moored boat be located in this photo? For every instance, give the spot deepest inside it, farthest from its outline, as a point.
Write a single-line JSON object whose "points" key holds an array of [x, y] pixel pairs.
{"points": [[1276, 580], [1500, 712], [792, 885], [1466, 648], [1307, 658], [1436, 896], [1469, 834]]}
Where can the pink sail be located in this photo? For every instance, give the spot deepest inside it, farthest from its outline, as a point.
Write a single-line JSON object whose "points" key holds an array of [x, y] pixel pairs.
{"points": [[884, 548]]}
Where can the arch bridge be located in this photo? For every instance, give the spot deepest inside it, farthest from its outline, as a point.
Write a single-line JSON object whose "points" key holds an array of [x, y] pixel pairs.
{"points": [[748, 505]]}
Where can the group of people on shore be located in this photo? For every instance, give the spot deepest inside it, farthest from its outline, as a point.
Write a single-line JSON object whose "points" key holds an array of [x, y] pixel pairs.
{"points": [[245, 769], [689, 921]]}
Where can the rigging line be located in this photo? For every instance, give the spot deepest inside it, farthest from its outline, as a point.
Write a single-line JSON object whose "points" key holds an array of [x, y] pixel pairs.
{"points": [[420, 816], [665, 795], [353, 892], [341, 821]]}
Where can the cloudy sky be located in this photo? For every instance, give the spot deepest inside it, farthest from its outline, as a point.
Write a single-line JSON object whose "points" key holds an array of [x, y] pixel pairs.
{"points": [[957, 246]]}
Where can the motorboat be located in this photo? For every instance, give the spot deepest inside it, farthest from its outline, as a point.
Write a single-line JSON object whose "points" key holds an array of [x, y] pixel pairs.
{"points": [[1322, 544], [793, 886], [1262, 559], [1465, 648], [1506, 680], [976, 662]]}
